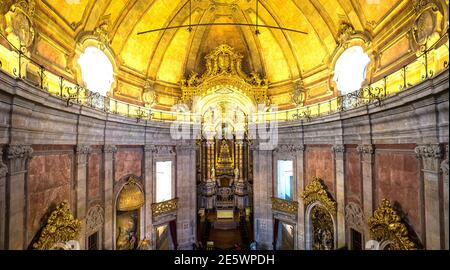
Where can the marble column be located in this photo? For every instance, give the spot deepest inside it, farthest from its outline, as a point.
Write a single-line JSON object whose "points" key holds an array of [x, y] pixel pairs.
{"points": [[148, 186], [240, 145], [262, 194], [300, 169], [82, 153], [430, 155], [108, 239], [18, 156], [339, 151], [3, 173], [444, 168], [186, 192], [367, 161]]}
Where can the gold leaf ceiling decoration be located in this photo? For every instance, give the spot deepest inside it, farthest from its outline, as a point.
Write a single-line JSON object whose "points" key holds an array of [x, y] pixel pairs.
{"points": [[166, 57]]}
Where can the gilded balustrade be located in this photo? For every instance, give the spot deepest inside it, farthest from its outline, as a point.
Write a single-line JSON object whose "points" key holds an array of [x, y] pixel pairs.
{"points": [[165, 207], [285, 206]]}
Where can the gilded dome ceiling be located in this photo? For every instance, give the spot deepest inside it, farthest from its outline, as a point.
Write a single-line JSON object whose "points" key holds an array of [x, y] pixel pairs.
{"points": [[164, 58]]}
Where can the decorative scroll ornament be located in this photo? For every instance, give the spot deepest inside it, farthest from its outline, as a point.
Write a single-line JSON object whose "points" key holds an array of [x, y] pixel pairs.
{"points": [[290, 207], [224, 70], [110, 148], [365, 149], [149, 94], [19, 151], [386, 225], [61, 227], [83, 149], [354, 216], [316, 192], [164, 207], [19, 24], [346, 31], [131, 197], [300, 93], [429, 151], [94, 220], [101, 33], [427, 23]]}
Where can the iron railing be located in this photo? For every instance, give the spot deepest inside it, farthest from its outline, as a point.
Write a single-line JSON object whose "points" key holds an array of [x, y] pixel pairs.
{"points": [[72, 93]]}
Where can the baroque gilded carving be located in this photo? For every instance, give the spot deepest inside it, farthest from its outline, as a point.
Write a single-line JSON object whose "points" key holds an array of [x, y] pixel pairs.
{"points": [[94, 219], [164, 207], [290, 207], [354, 216], [316, 192], [428, 23], [300, 93], [149, 93], [224, 70], [345, 32], [61, 227], [19, 23], [386, 225], [130, 197]]}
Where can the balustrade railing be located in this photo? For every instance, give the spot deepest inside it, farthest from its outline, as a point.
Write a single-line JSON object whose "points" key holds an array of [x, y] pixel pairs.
{"points": [[165, 207], [285, 206], [429, 63]]}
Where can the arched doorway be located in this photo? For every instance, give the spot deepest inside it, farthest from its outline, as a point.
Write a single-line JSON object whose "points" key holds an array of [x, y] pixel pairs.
{"points": [[320, 225], [129, 204]]}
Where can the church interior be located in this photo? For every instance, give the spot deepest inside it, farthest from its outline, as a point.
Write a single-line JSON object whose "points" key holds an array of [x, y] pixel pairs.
{"points": [[224, 125]]}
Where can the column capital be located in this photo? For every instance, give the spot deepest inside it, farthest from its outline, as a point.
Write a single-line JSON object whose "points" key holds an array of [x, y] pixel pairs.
{"points": [[83, 149], [19, 151], [150, 148], [185, 146], [290, 148], [338, 148], [429, 151], [109, 148], [366, 149]]}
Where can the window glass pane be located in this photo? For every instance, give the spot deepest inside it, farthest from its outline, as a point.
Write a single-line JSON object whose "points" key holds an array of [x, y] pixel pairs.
{"points": [[350, 69], [96, 70], [285, 180], [163, 181]]}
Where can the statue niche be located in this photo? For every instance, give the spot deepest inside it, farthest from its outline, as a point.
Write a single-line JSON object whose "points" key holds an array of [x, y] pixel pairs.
{"points": [[322, 229], [128, 208]]}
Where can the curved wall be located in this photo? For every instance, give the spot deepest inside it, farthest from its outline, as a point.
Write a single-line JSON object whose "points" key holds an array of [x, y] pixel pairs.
{"points": [[363, 155]]}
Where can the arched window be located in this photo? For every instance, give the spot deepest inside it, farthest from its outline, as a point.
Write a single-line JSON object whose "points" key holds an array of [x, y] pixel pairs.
{"points": [[96, 70], [350, 69]]}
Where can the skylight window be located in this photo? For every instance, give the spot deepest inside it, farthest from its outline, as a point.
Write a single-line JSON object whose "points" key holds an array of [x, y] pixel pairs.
{"points": [[350, 69], [96, 70]]}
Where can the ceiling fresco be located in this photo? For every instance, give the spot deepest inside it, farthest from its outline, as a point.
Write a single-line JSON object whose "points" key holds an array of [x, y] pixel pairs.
{"points": [[166, 57]]}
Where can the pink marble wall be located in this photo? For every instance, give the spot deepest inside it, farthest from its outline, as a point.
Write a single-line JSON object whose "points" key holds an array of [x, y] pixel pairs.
{"points": [[49, 178], [320, 163], [94, 176], [128, 162], [353, 175], [397, 179]]}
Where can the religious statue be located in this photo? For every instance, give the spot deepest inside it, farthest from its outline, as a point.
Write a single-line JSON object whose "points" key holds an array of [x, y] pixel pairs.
{"points": [[127, 238]]}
